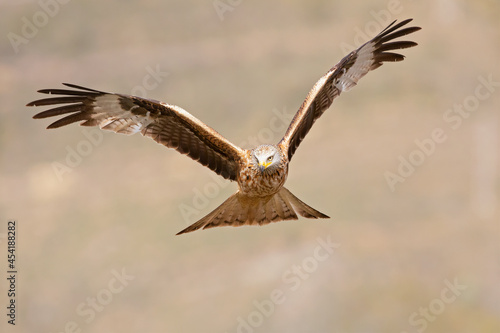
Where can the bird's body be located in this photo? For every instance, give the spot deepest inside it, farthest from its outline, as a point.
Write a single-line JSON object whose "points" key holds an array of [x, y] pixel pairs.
{"points": [[260, 172], [267, 161]]}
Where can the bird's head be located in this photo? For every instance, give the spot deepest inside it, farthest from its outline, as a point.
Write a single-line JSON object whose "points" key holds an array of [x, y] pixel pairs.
{"points": [[266, 158]]}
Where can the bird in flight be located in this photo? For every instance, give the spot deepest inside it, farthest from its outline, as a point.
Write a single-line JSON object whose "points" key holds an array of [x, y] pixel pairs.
{"points": [[260, 172]]}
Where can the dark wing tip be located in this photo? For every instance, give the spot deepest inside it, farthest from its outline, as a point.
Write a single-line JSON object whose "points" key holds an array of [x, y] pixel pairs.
{"points": [[389, 56], [391, 27], [54, 125], [81, 91], [72, 118], [393, 31], [75, 101], [384, 42], [74, 86]]}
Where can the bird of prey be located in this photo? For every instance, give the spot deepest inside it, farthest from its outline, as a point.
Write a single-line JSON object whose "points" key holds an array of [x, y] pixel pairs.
{"points": [[260, 172]]}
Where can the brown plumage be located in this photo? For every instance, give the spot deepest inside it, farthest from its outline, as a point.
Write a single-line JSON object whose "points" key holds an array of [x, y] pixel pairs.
{"points": [[259, 172]]}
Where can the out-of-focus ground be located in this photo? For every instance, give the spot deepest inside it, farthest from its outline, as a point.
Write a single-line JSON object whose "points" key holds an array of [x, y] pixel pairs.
{"points": [[97, 212]]}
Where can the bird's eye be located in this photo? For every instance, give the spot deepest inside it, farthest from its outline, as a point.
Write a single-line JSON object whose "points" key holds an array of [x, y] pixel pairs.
{"points": [[270, 158]]}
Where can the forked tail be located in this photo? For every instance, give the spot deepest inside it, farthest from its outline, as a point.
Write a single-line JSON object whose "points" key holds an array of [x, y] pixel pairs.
{"points": [[240, 209]]}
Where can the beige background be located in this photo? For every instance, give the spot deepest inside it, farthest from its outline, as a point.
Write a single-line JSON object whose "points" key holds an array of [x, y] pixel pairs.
{"points": [[120, 206]]}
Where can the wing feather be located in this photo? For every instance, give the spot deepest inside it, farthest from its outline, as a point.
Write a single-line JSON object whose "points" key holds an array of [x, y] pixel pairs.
{"points": [[167, 124], [344, 76]]}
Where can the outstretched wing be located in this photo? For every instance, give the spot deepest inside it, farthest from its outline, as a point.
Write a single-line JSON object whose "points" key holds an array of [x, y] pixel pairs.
{"points": [[167, 124], [343, 76]]}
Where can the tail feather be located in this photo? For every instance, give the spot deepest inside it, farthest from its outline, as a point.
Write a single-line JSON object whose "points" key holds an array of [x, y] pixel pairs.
{"points": [[240, 209], [304, 209]]}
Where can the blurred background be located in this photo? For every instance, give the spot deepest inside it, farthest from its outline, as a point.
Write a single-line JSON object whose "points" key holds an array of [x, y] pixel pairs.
{"points": [[406, 164]]}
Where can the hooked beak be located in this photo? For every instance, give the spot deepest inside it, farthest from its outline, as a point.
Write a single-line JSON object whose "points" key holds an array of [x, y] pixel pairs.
{"points": [[263, 166]]}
